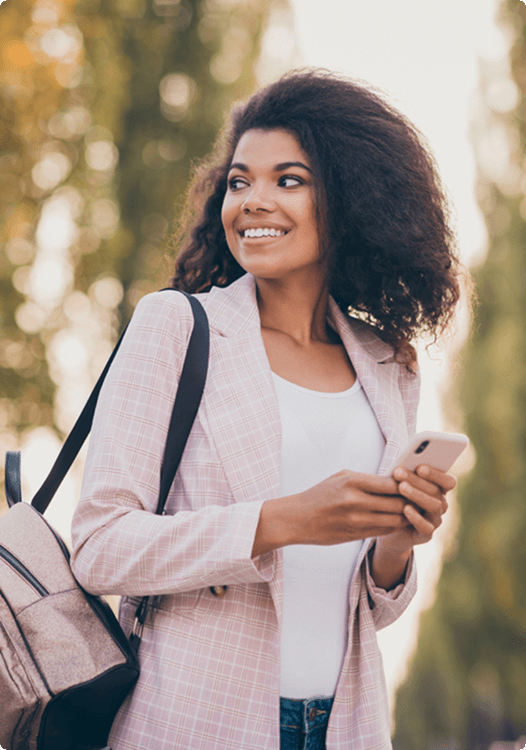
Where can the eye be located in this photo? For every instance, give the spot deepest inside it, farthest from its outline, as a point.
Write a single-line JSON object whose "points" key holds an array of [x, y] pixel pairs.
{"points": [[235, 183], [290, 180]]}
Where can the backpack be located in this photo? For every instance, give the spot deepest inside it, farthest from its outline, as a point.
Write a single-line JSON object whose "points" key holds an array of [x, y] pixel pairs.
{"points": [[66, 666]]}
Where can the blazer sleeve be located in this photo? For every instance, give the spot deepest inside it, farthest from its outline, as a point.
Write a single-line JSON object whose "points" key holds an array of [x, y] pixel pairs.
{"points": [[120, 546], [387, 606]]}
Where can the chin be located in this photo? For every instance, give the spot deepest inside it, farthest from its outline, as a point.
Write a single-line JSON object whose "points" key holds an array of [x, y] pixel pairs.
{"points": [[266, 270], [260, 268]]}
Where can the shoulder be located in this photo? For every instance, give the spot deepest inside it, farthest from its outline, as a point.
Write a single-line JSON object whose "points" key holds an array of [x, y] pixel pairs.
{"points": [[371, 339], [159, 331], [169, 313], [152, 352], [166, 310]]}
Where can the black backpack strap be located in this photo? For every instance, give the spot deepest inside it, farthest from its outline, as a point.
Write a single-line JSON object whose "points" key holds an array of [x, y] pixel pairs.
{"points": [[73, 443], [187, 400], [185, 408], [13, 487]]}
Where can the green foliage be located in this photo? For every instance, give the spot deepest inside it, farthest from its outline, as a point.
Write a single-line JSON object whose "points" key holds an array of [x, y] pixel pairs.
{"points": [[104, 106], [199, 57], [466, 683], [29, 92]]}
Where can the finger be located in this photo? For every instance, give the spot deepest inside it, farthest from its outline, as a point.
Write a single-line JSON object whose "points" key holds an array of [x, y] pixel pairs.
{"points": [[422, 524], [442, 479], [433, 518], [385, 530], [382, 530], [390, 521], [404, 475], [372, 483], [429, 503], [370, 503], [423, 485]]}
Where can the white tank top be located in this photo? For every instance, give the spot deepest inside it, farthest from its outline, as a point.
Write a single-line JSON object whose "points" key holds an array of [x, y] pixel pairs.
{"points": [[322, 433]]}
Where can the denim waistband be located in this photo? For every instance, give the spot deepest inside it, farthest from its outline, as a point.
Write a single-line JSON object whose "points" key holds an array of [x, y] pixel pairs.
{"points": [[305, 715]]}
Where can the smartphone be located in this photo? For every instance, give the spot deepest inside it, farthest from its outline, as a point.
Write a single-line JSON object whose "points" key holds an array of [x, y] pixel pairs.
{"points": [[438, 449]]}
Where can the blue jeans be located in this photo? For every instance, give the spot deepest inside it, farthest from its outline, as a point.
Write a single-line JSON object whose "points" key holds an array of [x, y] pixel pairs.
{"points": [[303, 724]]}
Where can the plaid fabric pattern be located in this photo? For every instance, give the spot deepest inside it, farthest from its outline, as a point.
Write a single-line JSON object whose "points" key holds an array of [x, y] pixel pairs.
{"points": [[210, 665]]}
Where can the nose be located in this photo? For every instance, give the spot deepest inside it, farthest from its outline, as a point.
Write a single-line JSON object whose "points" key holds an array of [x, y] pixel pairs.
{"points": [[259, 198]]}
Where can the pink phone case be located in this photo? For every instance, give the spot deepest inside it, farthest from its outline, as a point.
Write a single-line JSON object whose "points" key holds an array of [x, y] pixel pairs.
{"points": [[438, 449]]}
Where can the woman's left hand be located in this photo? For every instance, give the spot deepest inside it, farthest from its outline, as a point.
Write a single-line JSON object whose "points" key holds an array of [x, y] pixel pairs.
{"points": [[425, 489]]}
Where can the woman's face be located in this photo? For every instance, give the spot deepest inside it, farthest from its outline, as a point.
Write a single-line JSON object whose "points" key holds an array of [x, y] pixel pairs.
{"points": [[269, 212]]}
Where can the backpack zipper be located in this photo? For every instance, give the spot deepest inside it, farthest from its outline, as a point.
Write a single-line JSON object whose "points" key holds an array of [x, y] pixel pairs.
{"points": [[24, 572]]}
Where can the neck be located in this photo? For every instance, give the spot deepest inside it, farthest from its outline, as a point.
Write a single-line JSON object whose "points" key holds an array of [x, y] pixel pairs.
{"points": [[297, 309]]}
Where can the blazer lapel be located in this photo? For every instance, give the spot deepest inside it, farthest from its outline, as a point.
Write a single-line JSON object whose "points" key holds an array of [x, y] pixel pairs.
{"points": [[240, 404], [378, 374]]}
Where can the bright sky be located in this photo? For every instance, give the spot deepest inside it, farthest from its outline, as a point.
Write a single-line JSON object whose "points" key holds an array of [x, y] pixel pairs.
{"points": [[424, 54]]}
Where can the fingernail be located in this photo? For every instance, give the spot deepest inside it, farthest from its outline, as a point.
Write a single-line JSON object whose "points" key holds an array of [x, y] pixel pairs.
{"points": [[423, 471], [399, 474]]}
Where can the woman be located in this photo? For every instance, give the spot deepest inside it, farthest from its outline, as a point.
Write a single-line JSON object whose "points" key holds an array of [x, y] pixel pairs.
{"points": [[284, 548]]}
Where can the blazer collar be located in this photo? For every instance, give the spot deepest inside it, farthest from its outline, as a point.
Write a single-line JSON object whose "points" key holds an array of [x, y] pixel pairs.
{"points": [[233, 310], [358, 336]]}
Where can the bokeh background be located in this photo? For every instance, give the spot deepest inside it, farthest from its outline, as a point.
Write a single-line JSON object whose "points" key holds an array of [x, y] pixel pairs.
{"points": [[105, 105]]}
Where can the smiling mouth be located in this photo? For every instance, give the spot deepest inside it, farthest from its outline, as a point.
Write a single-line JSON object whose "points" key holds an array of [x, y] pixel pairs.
{"points": [[260, 232]]}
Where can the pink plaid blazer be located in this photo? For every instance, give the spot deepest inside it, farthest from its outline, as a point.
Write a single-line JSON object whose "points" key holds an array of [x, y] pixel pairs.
{"points": [[210, 666]]}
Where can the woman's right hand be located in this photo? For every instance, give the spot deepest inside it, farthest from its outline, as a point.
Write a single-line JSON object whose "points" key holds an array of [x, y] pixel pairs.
{"points": [[345, 507]]}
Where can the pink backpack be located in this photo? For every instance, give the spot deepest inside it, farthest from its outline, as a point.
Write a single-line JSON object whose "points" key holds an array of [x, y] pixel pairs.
{"points": [[65, 664]]}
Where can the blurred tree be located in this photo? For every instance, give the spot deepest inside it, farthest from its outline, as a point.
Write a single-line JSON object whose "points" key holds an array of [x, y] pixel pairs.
{"points": [[104, 106], [29, 94], [182, 63], [467, 681]]}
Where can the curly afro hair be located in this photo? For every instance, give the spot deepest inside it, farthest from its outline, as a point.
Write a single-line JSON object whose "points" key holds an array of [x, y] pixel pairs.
{"points": [[382, 215]]}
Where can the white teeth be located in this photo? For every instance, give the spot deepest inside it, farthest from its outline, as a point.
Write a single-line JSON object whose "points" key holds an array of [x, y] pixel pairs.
{"points": [[260, 232]]}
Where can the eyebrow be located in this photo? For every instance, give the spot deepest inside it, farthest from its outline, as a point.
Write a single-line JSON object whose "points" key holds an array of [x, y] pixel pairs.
{"points": [[277, 168]]}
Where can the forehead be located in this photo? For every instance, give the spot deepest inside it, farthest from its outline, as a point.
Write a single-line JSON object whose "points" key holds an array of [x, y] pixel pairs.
{"points": [[269, 147]]}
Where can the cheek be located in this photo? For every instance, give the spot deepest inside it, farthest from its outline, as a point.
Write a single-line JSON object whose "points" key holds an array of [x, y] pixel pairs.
{"points": [[305, 216], [311, 224], [227, 219], [229, 212], [224, 216]]}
